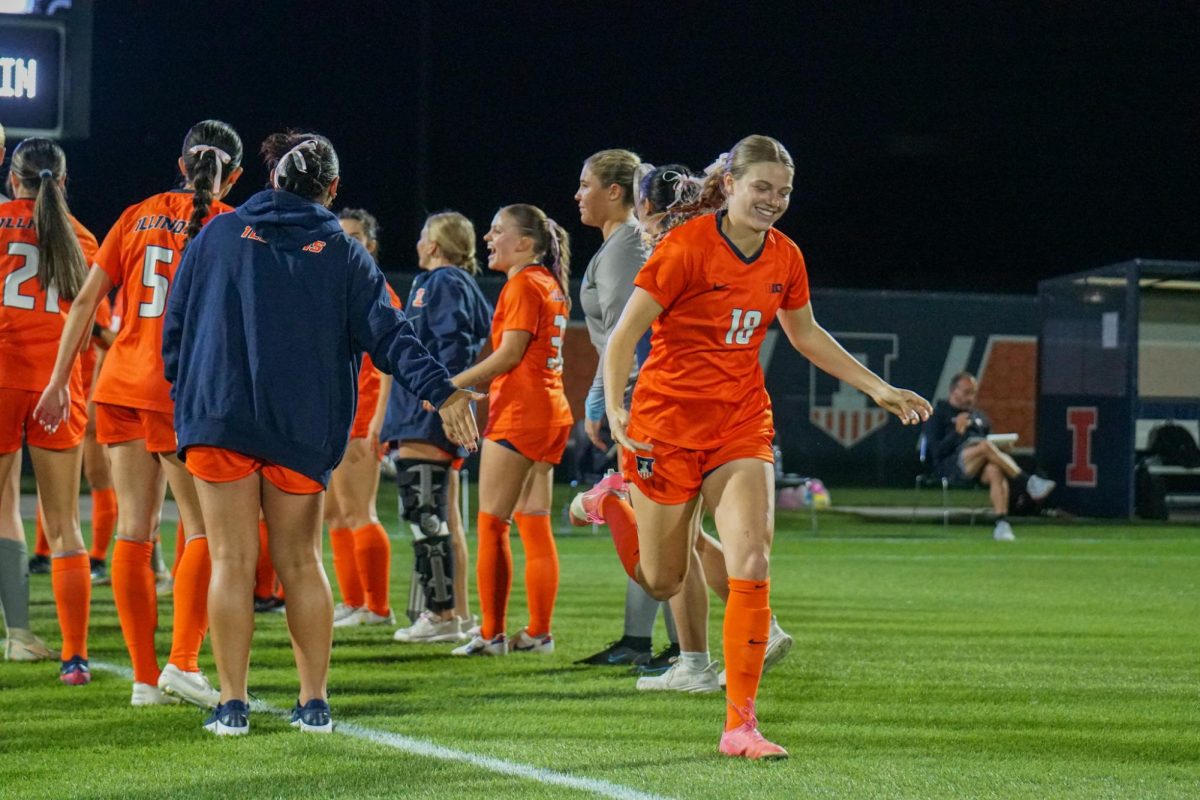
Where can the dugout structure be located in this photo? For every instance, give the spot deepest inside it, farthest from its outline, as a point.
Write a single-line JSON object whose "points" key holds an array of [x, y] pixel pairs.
{"points": [[1119, 352]]}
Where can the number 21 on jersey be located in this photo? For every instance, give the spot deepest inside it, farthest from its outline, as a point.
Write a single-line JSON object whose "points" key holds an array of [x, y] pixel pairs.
{"points": [[13, 298], [742, 325]]}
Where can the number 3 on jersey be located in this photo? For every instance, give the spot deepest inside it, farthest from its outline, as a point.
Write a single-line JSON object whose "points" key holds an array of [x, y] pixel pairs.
{"points": [[742, 326], [155, 282], [556, 363]]}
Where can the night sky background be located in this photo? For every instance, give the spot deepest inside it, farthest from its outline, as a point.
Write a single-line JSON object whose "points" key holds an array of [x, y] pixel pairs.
{"points": [[981, 148]]}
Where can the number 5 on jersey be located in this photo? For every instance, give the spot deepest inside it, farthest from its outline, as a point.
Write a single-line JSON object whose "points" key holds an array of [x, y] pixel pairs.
{"points": [[156, 282], [742, 326]]}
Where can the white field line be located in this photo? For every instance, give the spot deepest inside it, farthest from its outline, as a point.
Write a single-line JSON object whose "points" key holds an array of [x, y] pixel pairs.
{"points": [[428, 749]]}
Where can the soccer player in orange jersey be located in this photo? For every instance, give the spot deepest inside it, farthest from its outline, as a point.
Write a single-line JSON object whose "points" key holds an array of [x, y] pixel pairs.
{"points": [[43, 261], [134, 412], [529, 422], [362, 554], [700, 426]]}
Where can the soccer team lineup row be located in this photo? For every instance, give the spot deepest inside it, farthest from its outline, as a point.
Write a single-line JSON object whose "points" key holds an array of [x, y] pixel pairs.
{"points": [[255, 359]]}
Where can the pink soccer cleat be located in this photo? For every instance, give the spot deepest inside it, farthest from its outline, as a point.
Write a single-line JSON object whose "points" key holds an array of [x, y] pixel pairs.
{"points": [[745, 741], [585, 507]]}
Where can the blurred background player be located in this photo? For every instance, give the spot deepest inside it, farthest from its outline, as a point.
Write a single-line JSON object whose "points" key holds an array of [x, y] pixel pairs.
{"points": [[140, 257], [529, 422], [957, 433], [605, 198], [43, 259], [452, 319], [701, 423], [260, 430], [362, 554]]}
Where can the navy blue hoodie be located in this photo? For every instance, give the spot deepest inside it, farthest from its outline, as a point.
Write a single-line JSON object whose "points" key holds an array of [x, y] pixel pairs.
{"points": [[272, 307], [452, 318]]}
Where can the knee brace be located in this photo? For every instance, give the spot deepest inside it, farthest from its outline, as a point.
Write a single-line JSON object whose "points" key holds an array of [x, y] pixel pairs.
{"points": [[422, 486]]}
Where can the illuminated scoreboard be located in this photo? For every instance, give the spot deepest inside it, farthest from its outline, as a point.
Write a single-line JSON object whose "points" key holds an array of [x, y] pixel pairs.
{"points": [[44, 72], [31, 75]]}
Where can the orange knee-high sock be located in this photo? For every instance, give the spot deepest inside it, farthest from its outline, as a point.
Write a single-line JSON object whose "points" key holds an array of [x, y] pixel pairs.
{"points": [[137, 605], [104, 520], [264, 571], [71, 579], [493, 573], [41, 547], [180, 546], [747, 626], [345, 568], [623, 527], [373, 555], [541, 569], [190, 619]]}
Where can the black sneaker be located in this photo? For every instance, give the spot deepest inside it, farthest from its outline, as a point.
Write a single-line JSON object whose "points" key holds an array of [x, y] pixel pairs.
{"points": [[617, 654], [229, 719], [99, 573], [312, 717], [268, 605], [39, 565], [661, 662]]}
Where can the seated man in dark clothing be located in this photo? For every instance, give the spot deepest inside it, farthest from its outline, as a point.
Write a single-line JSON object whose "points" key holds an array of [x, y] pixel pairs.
{"points": [[959, 450]]}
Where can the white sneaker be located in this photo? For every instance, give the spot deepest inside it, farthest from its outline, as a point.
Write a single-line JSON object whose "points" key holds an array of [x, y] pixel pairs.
{"points": [[145, 694], [429, 628], [24, 645], [1038, 487], [191, 687], [365, 616], [479, 646], [1003, 532], [678, 678], [778, 645], [341, 611], [524, 643]]}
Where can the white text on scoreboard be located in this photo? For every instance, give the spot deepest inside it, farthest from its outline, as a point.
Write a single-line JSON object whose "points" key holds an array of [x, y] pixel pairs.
{"points": [[18, 77]]}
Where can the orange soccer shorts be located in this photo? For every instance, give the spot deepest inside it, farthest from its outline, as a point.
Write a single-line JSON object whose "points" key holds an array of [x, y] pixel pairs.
{"points": [[218, 465], [671, 475], [545, 445], [17, 423], [117, 424]]}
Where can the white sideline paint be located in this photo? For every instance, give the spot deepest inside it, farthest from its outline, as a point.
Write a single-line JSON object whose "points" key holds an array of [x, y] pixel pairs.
{"points": [[428, 749]]}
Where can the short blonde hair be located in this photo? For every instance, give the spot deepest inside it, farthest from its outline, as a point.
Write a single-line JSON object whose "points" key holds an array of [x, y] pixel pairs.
{"points": [[455, 236]]}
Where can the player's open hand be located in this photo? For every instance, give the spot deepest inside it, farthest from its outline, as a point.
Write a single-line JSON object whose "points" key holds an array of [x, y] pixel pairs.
{"points": [[618, 421], [458, 420], [910, 407], [53, 407]]}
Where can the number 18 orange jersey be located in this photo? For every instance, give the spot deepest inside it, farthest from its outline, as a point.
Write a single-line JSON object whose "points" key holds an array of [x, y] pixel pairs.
{"points": [[530, 395], [140, 255], [702, 385]]}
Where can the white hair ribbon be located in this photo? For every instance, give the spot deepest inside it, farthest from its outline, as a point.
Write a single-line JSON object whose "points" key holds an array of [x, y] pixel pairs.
{"points": [[219, 155], [295, 156]]}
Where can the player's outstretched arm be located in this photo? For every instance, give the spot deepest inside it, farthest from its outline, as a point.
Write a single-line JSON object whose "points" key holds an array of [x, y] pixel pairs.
{"points": [[815, 344], [640, 311], [513, 344], [55, 402]]}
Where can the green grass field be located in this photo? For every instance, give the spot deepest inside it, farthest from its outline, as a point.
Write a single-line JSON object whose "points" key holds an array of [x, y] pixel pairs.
{"points": [[929, 662]]}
